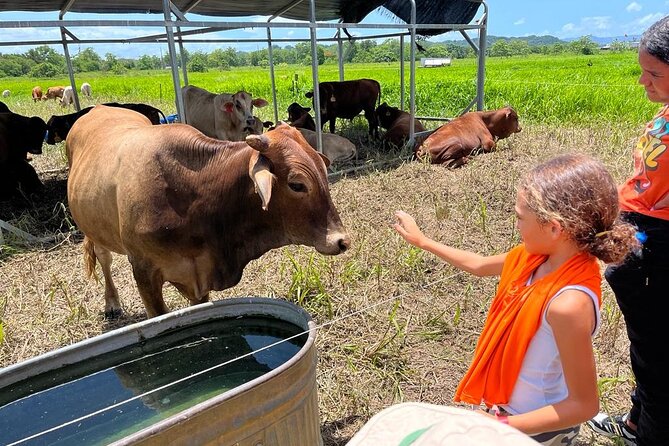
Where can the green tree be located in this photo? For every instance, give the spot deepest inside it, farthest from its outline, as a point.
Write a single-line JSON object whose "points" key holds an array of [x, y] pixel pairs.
{"points": [[198, 62], [46, 54], [518, 47], [109, 62], [584, 45], [44, 69], [146, 62], [499, 49], [87, 60], [14, 65]]}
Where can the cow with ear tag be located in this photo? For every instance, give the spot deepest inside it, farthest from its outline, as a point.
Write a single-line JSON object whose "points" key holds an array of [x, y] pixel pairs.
{"points": [[189, 209]]}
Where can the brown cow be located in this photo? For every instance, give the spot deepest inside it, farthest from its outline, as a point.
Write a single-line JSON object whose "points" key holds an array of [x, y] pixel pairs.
{"points": [[347, 99], [53, 93], [397, 123], [228, 117], [37, 93], [189, 209], [452, 143], [299, 117]]}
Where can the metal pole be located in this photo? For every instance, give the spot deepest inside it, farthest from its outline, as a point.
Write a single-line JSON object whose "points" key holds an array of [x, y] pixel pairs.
{"points": [[480, 74], [270, 54], [182, 54], [412, 75], [70, 70], [401, 72], [340, 54], [176, 81], [314, 74]]}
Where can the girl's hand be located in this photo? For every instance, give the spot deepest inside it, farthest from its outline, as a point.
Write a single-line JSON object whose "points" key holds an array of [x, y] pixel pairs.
{"points": [[406, 227]]}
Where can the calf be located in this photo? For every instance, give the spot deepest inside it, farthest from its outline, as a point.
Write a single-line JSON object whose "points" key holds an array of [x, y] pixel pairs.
{"points": [[37, 93], [452, 143], [19, 135], [86, 89], [347, 99], [397, 123], [336, 148], [53, 93], [299, 117], [68, 96], [149, 111], [224, 116]]}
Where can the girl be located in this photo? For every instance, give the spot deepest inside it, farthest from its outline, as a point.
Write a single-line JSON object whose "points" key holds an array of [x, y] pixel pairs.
{"points": [[534, 359]]}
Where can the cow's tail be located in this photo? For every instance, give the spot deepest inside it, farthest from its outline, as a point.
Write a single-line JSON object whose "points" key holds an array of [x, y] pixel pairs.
{"points": [[90, 259], [379, 98]]}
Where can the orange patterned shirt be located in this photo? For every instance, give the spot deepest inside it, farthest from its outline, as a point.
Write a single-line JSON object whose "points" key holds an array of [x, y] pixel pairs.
{"points": [[647, 191]]}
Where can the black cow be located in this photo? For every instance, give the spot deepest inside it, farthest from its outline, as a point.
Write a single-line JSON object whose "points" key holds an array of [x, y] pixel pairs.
{"points": [[60, 125], [19, 135], [347, 99], [299, 117]]}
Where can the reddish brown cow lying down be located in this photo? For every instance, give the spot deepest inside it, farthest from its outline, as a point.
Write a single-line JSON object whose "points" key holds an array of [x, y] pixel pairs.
{"points": [[189, 209], [397, 123], [452, 143]]}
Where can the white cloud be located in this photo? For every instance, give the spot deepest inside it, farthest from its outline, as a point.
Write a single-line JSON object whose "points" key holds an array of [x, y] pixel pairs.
{"points": [[633, 7], [520, 21], [649, 19], [569, 27]]}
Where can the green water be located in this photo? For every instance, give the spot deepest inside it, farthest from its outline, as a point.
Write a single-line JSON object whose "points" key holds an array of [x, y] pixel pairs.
{"points": [[52, 400]]}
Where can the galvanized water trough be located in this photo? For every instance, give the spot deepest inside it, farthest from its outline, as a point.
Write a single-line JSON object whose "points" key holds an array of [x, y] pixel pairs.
{"points": [[239, 371]]}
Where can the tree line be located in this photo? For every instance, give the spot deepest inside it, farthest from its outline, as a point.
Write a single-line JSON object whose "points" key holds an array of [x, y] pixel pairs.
{"points": [[46, 62]]}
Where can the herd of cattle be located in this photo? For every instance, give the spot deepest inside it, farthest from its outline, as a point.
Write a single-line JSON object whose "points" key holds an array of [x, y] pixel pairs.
{"points": [[192, 203]]}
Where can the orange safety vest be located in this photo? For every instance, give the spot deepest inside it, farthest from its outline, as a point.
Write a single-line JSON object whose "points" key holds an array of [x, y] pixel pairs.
{"points": [[514, 318]]}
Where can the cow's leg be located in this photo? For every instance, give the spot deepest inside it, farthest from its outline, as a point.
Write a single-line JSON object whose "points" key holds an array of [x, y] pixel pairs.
{"points": [[150, 286], [332, 124], [372, 122], [112, 302]]}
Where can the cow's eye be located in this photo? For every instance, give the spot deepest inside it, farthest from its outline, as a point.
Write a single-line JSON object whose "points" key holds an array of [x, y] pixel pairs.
{"points": [[297, 187], [239, 106]]}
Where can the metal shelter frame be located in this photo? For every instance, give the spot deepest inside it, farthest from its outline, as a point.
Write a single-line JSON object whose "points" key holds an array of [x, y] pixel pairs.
{"points": [[175, 19]]}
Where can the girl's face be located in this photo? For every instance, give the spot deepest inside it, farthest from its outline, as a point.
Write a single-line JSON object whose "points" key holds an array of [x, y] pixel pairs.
{"points": [[535, 235], [654, 77]]}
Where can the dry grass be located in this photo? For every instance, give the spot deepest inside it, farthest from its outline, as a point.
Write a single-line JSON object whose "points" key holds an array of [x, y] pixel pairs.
{"points": [[398, 324]]}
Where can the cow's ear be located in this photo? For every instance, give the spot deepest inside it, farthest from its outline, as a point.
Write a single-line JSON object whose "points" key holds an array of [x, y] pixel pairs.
{"points": [[228, 107], [307, 109], [263, 178], [309, 94], [326, 160], [259, 102]]}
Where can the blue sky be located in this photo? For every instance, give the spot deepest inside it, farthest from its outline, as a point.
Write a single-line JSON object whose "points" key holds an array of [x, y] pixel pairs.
{"points": [[559, 18]]}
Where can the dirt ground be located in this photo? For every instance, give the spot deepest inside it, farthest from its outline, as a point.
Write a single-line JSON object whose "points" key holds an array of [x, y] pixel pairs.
{"points": [[397, 324]]}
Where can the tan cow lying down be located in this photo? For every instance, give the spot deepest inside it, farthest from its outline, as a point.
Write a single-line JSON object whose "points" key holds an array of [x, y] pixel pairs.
{"points": [[192, 210], [452, 143], [335, 147], [228, 117]]}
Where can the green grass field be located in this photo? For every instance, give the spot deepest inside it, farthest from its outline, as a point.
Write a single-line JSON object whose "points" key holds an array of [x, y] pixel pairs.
{"points": [[565, 89]]}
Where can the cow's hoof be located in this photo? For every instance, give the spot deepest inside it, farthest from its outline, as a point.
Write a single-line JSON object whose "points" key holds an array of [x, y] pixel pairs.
{"points": [[113, 314]]}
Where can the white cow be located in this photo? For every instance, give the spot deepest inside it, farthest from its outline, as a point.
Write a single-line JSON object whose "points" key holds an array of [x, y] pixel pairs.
{"points": [[68, 96], [335, 147], [86, 89], [6, 93], [225, 116]]}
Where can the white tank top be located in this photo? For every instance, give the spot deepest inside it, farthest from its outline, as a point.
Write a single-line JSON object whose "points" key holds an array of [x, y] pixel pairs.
{"points": [[541, 379]]}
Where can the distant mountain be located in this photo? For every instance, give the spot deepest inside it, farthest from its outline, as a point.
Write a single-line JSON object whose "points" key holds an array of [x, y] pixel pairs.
{"points": [[608, 40], [549, 40]]}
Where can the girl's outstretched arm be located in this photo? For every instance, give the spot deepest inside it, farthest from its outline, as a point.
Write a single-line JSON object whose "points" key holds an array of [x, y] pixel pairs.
{"points": [[467, 261]]}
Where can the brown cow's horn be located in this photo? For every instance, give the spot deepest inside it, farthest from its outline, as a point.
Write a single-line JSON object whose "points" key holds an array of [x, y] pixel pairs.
{"points": [[258, 142]]}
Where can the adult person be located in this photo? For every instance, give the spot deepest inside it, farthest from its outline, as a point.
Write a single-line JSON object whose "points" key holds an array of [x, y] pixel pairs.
{"points": [[534, 358], [641, 284]]}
